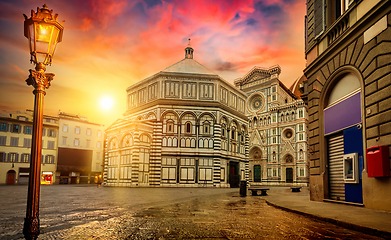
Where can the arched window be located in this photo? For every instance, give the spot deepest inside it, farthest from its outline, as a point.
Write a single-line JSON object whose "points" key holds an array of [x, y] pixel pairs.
{"points": [[348, 83], [127, 141], [233, 132], [170, 122], [282, 117], [170, 126], [206, 127], [188, 127]]}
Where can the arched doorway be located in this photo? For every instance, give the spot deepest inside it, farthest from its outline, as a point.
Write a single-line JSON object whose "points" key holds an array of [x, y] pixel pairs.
{"points": [[343, 134], [11, 177], [255, 158]]}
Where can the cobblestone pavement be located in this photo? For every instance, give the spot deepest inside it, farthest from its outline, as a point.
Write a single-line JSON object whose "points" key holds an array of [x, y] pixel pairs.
{"points": [[85, 212]]}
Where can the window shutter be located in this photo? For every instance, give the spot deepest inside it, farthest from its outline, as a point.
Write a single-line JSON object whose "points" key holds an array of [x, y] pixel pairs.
{"points": [[17, 157], [43, 131], [9, 157], [22, 157], [24, 129], [54, 133], [11, 127], [20, 129], [6, 127], [319, 17], [46, 159], [53, 158]]}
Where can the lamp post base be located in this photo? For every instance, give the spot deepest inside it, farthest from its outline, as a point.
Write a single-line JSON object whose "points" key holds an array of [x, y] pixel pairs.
{"points": [[31, 228]]}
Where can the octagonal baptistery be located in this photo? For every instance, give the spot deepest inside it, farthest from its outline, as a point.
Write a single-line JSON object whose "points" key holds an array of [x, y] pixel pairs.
{"points": [[184, 126]]}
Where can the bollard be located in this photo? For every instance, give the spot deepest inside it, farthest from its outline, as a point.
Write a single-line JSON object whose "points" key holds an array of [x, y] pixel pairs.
{"points": [[243, 188]]}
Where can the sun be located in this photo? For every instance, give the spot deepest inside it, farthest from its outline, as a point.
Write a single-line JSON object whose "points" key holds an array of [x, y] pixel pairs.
{"points": [[106, 102]]}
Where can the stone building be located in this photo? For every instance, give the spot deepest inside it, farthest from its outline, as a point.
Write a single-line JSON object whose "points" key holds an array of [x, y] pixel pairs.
{"points": [[348, 95], [15, 147], [277, 129], [72, 148], [80, 150], [186, 126]]}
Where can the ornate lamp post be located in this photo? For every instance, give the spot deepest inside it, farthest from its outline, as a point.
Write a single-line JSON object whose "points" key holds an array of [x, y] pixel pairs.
{"points": [[43, 32]]}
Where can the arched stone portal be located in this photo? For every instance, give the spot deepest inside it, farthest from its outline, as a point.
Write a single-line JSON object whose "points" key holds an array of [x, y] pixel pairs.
{"points": [[255, 158]]}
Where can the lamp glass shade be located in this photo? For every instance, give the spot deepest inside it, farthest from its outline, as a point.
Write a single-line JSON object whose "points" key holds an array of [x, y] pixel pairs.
{"points": [[43, 40]]}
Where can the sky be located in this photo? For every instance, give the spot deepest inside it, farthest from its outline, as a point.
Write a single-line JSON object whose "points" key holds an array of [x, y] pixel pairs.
{"points": [[109, 45]]}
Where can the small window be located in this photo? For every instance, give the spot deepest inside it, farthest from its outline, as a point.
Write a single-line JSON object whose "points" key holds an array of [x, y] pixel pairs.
{"points": [[88, 143], [65, 128], [77, 142], [28, 130], [50, 144], [77, 130], [13, 157], [99, 133], [206, 128], [88, 131], [188, 127], [25, 158], [51, 133], [14, 142], [27, 142], [98, 145], [301, 137], [233, 134], [170, 126], [64, 140], [15, 128], [301, 114], [3, 140], [49, 159], [3, 127]]}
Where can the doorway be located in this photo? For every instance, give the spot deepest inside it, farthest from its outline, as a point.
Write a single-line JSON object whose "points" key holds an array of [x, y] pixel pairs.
{"points": [[11, 177], [234, 176], [257, 173], [289, 175]]}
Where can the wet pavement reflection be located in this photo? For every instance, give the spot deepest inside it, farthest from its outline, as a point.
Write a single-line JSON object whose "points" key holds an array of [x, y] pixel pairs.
{"points": [[120, 213]]}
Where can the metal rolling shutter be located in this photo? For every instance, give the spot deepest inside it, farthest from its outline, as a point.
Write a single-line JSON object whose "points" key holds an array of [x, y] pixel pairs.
{"points": [[335, 156]]}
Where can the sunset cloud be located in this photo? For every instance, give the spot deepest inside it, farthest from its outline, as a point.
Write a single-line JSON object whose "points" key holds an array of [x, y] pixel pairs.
{"points": [[109, 45]]}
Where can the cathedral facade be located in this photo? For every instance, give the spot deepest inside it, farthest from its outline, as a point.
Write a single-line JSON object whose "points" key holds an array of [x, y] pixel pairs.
{"points": [[186, 126], [277, 123]]}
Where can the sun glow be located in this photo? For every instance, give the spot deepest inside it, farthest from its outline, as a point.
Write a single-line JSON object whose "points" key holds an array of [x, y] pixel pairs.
{"points": [[106, 102]]}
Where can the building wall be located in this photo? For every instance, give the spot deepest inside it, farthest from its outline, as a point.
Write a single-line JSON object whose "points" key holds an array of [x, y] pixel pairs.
{"points": [[15, 146], [361, 48], [77, 133]]}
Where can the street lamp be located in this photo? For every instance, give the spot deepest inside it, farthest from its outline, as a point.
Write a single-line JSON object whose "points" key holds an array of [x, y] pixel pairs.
{"points": [[43, 32]]}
